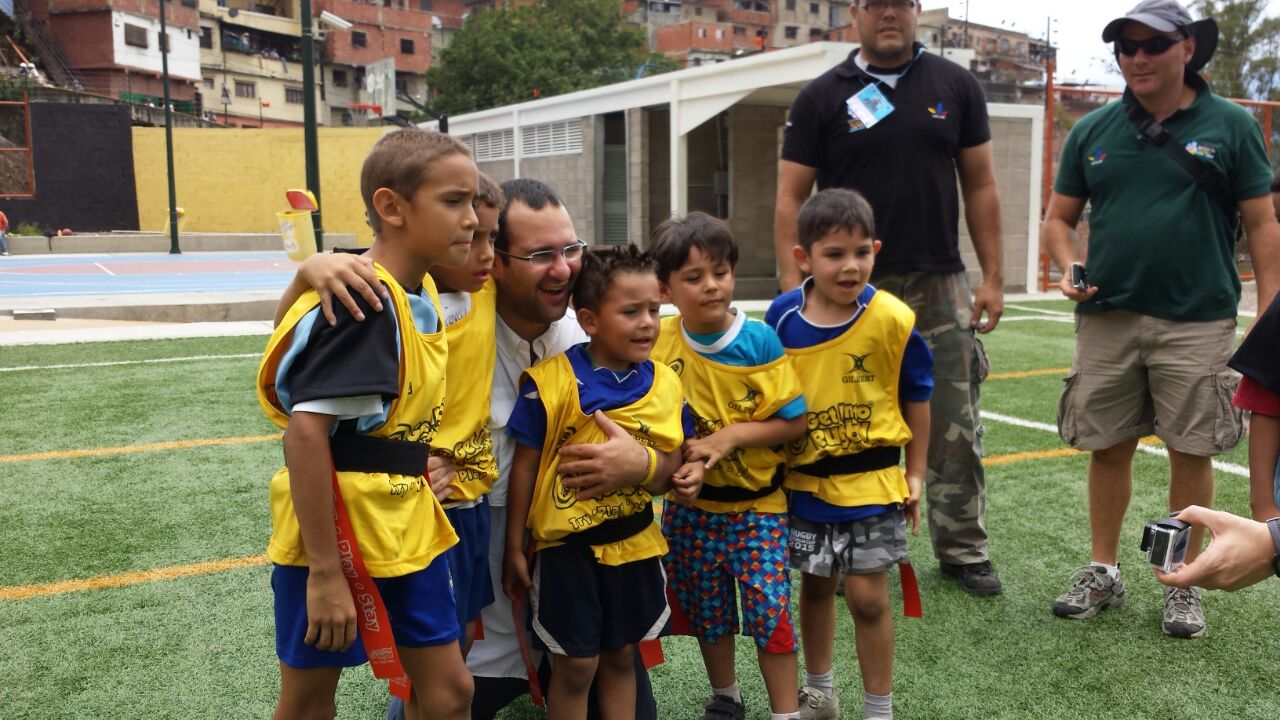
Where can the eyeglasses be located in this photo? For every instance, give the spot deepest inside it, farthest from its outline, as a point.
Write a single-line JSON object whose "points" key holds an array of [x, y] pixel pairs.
{"points": [[547, 258], [1157, 45], [879, 6]]}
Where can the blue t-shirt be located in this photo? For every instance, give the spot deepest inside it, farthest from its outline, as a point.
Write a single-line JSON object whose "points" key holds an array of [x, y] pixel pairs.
{"points": [[598, 389], [915, 382], [747, 343]]}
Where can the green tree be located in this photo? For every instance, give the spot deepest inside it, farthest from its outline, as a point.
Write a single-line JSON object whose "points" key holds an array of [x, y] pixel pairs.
{"points": [[1247, 63], [513, 54]]}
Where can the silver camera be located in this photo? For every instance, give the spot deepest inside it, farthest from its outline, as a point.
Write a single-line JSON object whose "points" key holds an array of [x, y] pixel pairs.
{"points": [[1164, 543]]}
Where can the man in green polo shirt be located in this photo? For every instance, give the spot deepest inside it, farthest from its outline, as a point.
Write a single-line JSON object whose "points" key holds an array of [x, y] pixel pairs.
{"points": [[1155, 323]]}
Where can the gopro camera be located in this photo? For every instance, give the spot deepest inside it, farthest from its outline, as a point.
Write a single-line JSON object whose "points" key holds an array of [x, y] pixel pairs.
{"points": [[1164, 543], [1079, 278]]}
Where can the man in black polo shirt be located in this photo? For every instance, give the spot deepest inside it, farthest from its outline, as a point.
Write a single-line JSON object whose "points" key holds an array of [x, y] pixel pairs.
{"points": [[1156, 318], [905, 162]]}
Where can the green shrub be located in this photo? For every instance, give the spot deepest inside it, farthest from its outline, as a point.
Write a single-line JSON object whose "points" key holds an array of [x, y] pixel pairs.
{"points": [[27, 228]]}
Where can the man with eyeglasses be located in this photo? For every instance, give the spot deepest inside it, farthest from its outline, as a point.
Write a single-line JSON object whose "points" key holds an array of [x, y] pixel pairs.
{"points": [[1156, 306], [539, 257], [899, 124]]}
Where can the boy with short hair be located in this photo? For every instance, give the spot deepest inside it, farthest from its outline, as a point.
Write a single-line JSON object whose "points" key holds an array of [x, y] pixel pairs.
{"points": [[359, 402], [746, 400], [867, 375], [597, 586]]}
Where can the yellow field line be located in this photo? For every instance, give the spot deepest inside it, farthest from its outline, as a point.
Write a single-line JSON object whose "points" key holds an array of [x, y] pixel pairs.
{"points": [[1028, 373], [131, 449], [25, 592]]}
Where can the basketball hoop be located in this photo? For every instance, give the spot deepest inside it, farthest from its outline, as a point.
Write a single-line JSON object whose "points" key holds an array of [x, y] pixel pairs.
{"points": [[369, 109]]}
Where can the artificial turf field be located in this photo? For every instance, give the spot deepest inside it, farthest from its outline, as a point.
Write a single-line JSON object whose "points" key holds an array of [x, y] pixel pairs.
{"points": [[135, 514]]}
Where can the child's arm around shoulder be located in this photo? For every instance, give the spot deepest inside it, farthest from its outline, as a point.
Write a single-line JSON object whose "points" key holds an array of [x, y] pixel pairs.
{"points": [[331, 613], [334, 275]]}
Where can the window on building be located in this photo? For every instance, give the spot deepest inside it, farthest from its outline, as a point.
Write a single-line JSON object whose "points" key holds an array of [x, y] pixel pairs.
{"points": [[293, 95], [246, 89], [697, 11], [135, 35], [424, 5], [406, 46], [791, 32], [206, 38], [791, 4], [702, 32], [719, 33], [359, 39], [814, 9], [739, 31], [402, 84], [340, 78], [208, 83]]}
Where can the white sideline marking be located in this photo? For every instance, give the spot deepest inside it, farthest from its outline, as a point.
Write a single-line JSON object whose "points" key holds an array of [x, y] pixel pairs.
{"points": [[1042, 311], [1220, 466], [112, 363], [1056, 319], [104, 269]]}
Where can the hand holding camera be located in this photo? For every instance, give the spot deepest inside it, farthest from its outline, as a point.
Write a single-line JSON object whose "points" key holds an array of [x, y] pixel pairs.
{"points": [[1075, 283]]}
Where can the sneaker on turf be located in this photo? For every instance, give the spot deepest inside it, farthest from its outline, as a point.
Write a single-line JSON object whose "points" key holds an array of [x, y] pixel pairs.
{"points": [[1092, 589], [817, 705], [978, 579], [1183, 613], [720, 707]]}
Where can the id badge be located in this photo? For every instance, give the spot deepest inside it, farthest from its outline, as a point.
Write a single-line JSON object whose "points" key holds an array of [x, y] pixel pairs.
{"points": [[867, 107]]}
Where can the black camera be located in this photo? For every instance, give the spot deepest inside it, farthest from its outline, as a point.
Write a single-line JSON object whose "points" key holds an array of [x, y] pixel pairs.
{"points": [[1164, 543], [1079, 278]]}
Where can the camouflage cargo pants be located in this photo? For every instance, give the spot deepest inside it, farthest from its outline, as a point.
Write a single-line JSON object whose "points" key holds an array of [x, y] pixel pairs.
{"points": [[955, 485]]}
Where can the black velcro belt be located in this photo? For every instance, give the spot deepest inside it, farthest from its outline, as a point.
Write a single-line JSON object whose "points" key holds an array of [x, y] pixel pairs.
{"points": [[612, 531], [363, 453], [723, 493], [876, 458]]}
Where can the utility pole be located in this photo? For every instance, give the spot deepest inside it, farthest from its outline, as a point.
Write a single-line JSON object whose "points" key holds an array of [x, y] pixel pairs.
{"points": [[309, 140], [168, 134]]}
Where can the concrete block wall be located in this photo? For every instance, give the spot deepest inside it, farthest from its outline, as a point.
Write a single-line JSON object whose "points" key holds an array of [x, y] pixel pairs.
{"points": [[1011, 146], [572, 176], [753, 188], [638, 143], [234, 180]]}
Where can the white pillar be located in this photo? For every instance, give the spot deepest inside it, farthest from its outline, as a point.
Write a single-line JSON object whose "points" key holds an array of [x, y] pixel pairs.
{"points": [[679, 157]]}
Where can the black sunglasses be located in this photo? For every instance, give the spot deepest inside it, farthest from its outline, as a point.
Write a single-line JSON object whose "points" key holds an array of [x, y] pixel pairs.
{"points": [[1157, 45]]}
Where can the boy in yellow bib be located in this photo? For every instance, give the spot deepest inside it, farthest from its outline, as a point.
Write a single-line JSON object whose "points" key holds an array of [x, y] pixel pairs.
{"points": [[597, 586], [359, 402], [746, 400], [867, 375]]}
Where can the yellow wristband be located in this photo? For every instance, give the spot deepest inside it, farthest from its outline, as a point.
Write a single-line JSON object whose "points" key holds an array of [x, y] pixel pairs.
{"points": [[653, 465]]}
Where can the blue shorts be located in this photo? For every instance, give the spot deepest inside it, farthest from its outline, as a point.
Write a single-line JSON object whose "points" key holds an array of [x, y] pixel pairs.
{"points": [[420, 606], [469, 560], [581, 608]]}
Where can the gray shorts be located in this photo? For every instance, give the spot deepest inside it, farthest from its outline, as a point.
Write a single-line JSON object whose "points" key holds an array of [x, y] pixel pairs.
{"points": [[860, 547]]}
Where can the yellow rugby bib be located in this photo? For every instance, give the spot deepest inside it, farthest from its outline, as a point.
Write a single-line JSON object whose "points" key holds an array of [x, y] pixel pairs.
{"points": [[464, 435], [399, 523], [653, 420], [851, 386], [721, 395]]}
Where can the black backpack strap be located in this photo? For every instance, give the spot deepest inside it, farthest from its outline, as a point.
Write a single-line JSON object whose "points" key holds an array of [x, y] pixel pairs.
{"points": [[1206, 176]]}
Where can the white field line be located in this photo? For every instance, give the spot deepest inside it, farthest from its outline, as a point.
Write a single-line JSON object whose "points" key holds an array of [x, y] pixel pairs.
{"points": [[1226, 467], [1024, 318], [113, 363], [104, 269], [1042, 311]]}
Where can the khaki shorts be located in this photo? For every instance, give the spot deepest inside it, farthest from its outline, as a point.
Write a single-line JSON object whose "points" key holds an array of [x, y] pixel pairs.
{"points": [[1134, 375]]}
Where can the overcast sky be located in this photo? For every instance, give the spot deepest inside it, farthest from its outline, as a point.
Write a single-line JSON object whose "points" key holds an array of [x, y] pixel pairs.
{"points": [[1082, 56]]}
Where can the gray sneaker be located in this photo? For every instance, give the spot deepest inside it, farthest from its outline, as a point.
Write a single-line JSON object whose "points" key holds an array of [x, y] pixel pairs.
{"points": [[1092, 589], [720, 707], [815, 705], [1183, 613]]}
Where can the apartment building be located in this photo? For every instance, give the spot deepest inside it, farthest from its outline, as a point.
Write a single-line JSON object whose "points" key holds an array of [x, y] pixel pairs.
{"points": [[997, 55], [700, 31], [114, 46]]}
